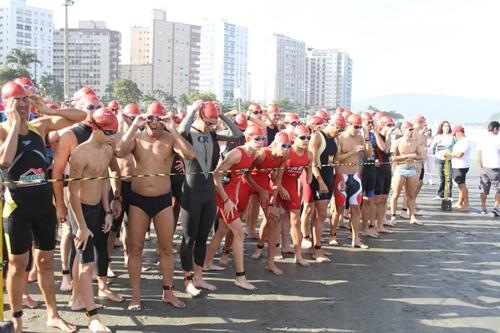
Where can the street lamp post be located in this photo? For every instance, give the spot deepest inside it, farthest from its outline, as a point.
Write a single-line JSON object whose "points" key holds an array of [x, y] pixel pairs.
{"points": [[66, 4]]}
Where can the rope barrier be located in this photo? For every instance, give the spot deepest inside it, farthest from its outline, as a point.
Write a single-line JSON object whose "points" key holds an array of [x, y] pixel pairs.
{"points": [[75, 179]]}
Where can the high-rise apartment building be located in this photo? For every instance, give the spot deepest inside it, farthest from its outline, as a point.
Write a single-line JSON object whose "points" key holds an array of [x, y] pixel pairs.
{"points": [[94, 56], [328, 78], [170, 50], [27, 27], [285, 70], [224, 61]]}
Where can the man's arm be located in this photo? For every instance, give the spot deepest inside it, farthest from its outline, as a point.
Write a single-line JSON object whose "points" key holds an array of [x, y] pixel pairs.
{"points": [[57, 119], [181, 146], [8, 146], [187, 122], [126, 144], [61, 156], [235, 131], [232, 158]]}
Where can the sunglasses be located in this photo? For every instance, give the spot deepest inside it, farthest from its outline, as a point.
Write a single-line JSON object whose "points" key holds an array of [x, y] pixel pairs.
{"points": [[356, 127], [92, 107], [132, 118], [339, 129], [115, 110], [411, 129], [390, 125], [259, 138], [305, 137], [286, 146], [153, 118], [294, 123], [209, 123], [369, 122], [257, 112], [106, 132]]}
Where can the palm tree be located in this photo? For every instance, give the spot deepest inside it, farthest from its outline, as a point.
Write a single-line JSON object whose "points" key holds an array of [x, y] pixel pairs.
{"points": [[21, 58], [183, 101]]}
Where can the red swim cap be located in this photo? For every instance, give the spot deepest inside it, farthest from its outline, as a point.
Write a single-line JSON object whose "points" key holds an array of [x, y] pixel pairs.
{"points": [[252, 131], [387, 120], [2, 108], [354, 119], [407, 125], [105, 119], [301, 130], [254, 107], [274, 109], [291, 117], [131, 110], [420, 119], [180, 117], [90, 102], [12, 89], [156, 109], [282, 137], [209, 110], [366, 116], [114, 105], [323, 114], [82, 92], [241, 121], [315, 121], [338, 121], [26, 83]]}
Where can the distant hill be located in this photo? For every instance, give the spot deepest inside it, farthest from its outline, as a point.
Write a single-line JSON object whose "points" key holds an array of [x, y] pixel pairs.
{"points": [[434, 107]]}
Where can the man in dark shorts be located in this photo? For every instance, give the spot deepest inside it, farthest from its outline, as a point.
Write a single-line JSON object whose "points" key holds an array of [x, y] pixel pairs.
{"points": [[28, 212], [93, 217], [488, 158], [460, 163]]}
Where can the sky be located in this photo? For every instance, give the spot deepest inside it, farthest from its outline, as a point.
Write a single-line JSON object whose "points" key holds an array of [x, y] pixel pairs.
{"points": [[448, 47]]}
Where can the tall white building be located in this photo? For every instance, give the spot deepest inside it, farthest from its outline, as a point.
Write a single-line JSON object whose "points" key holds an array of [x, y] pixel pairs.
{"points": [[27, 27], [170, 50], [224, 61], [94, 56], [285, 69], [328, 78]]}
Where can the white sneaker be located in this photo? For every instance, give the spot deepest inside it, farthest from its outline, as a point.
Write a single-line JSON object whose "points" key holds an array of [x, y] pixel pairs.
{"points": [[437, 197]]}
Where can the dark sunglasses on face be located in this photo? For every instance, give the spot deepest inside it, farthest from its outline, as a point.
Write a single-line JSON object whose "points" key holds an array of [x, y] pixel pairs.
{"points": [[257, 112], [411, 129], [390, 125], [370, 122], [209, 123], [132, 118], [153, 118], [92, 107], [115, 110], [294, 123], [305, 137], [106, 132], [339, 129], [356, 127], [259, 138], [286, 146]]}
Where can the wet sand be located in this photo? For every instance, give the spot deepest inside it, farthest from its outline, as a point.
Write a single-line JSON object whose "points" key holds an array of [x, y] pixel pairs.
{"points": [[441, 277]]}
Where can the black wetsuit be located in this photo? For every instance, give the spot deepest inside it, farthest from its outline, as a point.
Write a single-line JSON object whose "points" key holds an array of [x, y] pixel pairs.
{"points": [[383, 171], [198, 207], [368, 171], [327, 156], [28, 211]]}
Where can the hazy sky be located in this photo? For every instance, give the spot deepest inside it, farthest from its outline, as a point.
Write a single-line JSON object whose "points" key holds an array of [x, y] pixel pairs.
{"points": [[398, 46]]}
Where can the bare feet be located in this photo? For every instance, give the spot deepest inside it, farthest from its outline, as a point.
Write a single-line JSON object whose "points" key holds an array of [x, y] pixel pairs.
{"points": [[271, 267], [258, 253], [170, 298], [58, 322], [202, 284], [30, 302], [107, 293], [191, 290], [392, 222], [96, 326], [333, 241], [242, 282], [320, 256], [383, 230], [66, 283], [78, 305], [415, 221], [224, 259], [135, 304], [359, 245], [370, 233], [404, 215], [213, 267], [301, 261]]}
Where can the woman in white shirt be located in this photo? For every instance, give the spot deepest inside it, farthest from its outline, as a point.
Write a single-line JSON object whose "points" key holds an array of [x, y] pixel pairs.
{"points": [[460, 164], [443, 142], [429, 161]]}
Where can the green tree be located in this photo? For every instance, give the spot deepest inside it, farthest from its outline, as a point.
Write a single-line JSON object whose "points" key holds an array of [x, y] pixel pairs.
{"points": [[21, 58], [8, 73], [183, 101], [126, 91], [204, 96], [395, 115], [285, 105], [51, 88]]}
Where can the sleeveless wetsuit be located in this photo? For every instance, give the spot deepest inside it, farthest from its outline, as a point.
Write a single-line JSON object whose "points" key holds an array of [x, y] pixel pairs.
{"points": [[383, 171], [28, 211], [325, 162], [368, 171], [294, 167]]}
